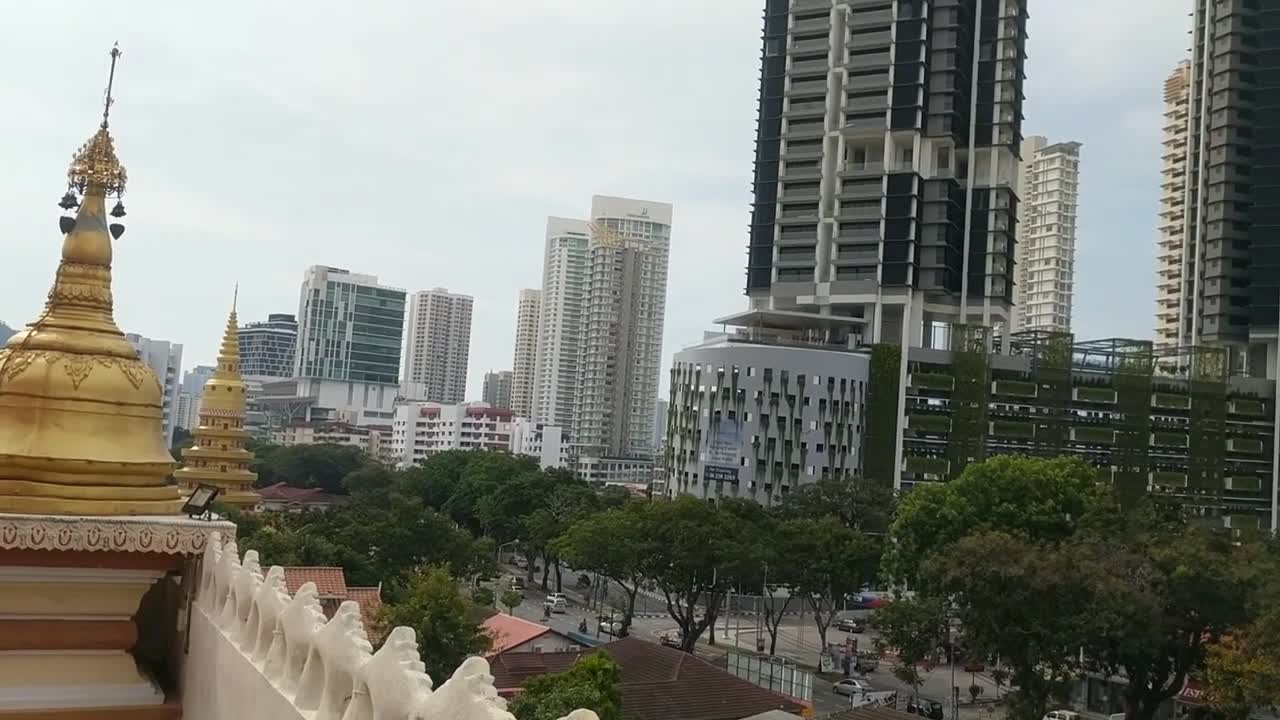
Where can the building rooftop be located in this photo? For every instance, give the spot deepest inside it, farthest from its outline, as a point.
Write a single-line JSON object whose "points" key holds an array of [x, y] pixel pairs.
{"points": [[508, 631], [658, 683], [330, 581]]}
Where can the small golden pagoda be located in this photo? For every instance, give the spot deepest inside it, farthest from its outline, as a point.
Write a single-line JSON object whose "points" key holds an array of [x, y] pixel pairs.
{"points": [[218, 456], [80, 414]]}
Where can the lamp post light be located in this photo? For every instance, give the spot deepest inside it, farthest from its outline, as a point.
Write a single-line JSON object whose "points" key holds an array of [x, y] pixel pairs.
{"points": [[498, 552]]}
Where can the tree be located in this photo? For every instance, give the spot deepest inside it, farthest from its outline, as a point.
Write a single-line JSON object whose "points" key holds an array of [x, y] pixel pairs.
{"points": [[1023, 601], [1041, 500], [861, 504], [613, 544], [1157, 602], [831, 562], [914, 627], [511, 599], [1243, 668], [689, 542], [592, 682], [320, 466], [446, 623], [181, 441]]}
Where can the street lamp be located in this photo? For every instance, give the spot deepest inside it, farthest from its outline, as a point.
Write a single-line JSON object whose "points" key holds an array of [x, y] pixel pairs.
{"points": [[498, 552]]}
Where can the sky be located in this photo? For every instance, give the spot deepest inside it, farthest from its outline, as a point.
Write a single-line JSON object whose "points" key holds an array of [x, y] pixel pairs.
{"points": [[426, 142]]}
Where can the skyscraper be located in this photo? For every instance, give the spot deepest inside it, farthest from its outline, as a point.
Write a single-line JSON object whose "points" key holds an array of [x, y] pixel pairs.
{"points": [[1048, 186], [165, 360], [564, 294], [439, 343], [267, 348], [885, 164], [622, 333], [349, 340], [528, 311], [1231, 230], [1173, 189], [497, 389]]}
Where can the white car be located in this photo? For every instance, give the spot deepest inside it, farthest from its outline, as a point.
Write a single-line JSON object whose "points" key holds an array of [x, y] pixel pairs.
{"points": [[1061, 715], [557, 602], [850, 686]]}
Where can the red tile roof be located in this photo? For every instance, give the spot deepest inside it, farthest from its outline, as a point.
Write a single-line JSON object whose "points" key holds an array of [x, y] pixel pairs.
{"points": [[508, 631], [370, 599], [286, 493], [330, 581], [658, 683]]}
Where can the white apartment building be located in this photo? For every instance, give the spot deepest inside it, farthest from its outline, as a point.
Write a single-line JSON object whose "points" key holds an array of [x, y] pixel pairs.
{"points": [[422, 429], [438, 346], [548, 443], [564, 295], [525, 357], [165, 360], [350, 331], [1173, 186], [622, 334], [1044, 258], [187, 413], [368, 439]]}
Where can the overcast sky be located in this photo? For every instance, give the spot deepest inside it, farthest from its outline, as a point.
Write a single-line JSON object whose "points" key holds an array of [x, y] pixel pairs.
{"points": [[426, 142]]}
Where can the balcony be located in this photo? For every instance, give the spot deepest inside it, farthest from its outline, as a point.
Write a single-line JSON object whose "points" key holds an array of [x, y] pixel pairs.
{"points": [[254, 652]]}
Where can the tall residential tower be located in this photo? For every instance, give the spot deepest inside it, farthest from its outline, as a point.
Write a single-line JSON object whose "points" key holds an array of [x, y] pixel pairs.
{"points": [[1173, 189], [268, 348], [525, 357], [1231, 228], [886, 157], [1048, 187], [622, 329], [560, 328], [439, 344]]}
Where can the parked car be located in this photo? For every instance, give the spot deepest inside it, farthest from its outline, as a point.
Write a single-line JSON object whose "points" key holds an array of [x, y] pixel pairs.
{"points": [[850, 686], [851, 625], [931, 709], [864, 663], [611, 624], [1061, 715], [670, 639], [557, 603]]}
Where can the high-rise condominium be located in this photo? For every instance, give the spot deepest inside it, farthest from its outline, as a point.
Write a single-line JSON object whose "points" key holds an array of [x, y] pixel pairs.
{"points": [[1046, 251], [349, 340], [886, 157], [439, 344], [525, 357], [267, 348], [165, 360], [1231, 228], [497, 389], [622, 332], [564, 295], [1173, 189]]}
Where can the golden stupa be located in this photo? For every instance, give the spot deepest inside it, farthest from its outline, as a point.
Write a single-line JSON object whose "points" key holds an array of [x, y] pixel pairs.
{"points": [[218, 456], [80, 414]]}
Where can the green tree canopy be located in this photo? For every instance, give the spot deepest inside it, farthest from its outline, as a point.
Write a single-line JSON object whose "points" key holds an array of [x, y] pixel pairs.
{"points": [[914, 627], [447, 624], [322, 466], [830, 562], [861, 504], [1041, 500], [613, 543], [593, 682]]}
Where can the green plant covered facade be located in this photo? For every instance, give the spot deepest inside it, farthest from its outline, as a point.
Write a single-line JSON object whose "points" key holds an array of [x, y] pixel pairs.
{"points": [[1178, 430]]}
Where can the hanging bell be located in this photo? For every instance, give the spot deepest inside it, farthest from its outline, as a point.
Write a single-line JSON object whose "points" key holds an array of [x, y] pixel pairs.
{"points": [[66, 224], [116, 230], [69, 201], [118, 210]]}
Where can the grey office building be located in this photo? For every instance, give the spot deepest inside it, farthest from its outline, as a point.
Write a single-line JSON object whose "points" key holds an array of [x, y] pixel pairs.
{"points": [[886, 162], [1231, 236], [268, 349]]}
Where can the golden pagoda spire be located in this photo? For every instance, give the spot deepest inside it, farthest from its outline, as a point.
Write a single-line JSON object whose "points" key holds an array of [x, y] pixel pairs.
{"points": [[80, 414], [217, 456]]}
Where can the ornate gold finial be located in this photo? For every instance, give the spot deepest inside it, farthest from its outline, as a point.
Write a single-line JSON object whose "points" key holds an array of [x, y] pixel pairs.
{"points": [[95, 167]]}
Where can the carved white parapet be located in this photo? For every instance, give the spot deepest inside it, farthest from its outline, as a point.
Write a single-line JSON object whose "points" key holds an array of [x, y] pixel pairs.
{"points": [[327, 670]]}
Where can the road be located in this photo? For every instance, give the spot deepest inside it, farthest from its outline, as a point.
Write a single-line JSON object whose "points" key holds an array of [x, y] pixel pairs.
{"points": [[798, 642]]}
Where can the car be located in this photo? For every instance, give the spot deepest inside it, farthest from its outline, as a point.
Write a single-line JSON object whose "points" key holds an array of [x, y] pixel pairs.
{"points": [[850, 686], [1061, 715], [557, 603], [670, 639], [851, 625]]}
